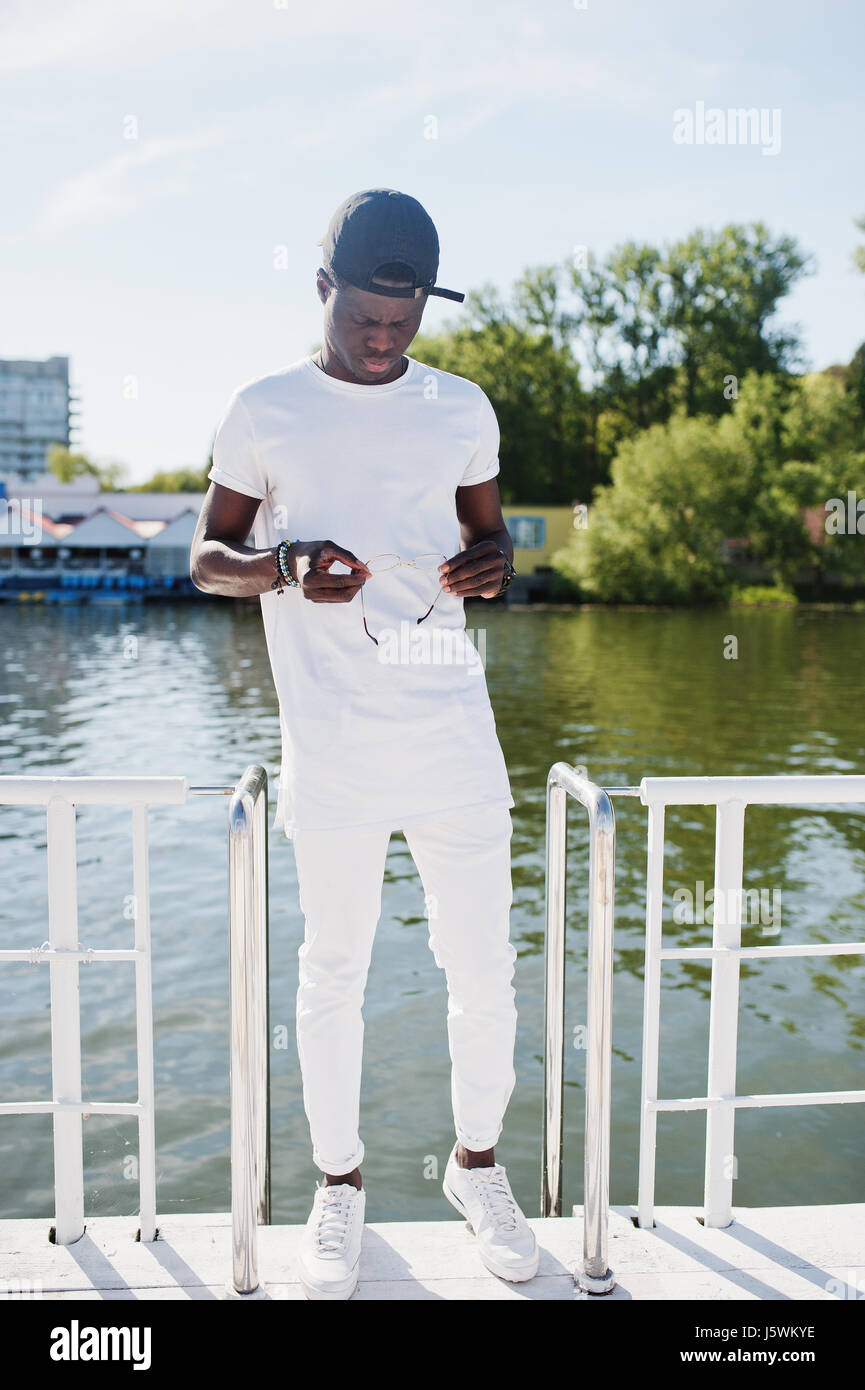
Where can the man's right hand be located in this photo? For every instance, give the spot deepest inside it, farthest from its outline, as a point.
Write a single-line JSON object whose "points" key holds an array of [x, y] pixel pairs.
{"points": [[221, 562], [310, 562]]}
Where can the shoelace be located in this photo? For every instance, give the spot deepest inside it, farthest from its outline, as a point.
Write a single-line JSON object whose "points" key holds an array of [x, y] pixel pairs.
{"points": [[332, 1225], [492, 1187]]}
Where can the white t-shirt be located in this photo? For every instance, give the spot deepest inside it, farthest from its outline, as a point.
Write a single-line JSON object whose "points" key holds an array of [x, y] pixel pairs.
{"points": [[402, 732]]}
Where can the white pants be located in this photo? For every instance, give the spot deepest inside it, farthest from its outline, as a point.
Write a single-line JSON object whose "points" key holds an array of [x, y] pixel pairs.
{"points": [[464, 862]]}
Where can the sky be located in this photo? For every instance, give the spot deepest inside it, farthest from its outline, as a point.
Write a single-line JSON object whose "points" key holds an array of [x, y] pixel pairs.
{"points": [[168, 168]]}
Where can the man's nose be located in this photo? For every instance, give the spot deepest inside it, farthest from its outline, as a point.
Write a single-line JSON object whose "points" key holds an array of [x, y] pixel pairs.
{"points": [[380, 340]]}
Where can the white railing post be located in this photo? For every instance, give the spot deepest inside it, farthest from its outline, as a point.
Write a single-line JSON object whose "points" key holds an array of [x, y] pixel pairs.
{"points": [[60, 796], [724, 1015], [651, 1014], [65, 1021], [730, 796], [249, 1024], [144, 1026]]}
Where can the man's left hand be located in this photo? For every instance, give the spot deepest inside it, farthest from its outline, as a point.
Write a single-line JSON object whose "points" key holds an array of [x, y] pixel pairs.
{"points": [[476, 572]]}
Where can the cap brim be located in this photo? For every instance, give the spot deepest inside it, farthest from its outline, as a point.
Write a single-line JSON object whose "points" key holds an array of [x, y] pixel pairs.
{"points": [[447, 294]]}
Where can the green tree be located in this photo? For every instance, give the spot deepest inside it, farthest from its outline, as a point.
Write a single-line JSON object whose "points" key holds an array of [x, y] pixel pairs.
{"points": [[764, 474], [178, 480], [855, 380], [583, 356], [722, 290], [623, 321], [533, 384], [66, 466], [655, 535], [819, 454]]}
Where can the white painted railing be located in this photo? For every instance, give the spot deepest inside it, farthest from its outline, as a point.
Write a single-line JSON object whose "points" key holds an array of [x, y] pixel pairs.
{"points": [[249, 1027], [730, 795], [63, 952]]}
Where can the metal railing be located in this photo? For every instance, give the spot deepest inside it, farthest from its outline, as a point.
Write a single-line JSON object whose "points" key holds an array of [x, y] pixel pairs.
{"points": [[248, 927], [63, 953], [730, 796], [564, 781], [250, 1025]]}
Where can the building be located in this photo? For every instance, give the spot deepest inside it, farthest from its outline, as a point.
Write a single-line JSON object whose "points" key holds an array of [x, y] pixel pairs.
{"points": [[59, 536], [65, 542], [537, 532], [35, 412], [168, 550]]}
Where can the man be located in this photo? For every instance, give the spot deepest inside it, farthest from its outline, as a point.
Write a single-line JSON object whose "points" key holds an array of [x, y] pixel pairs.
{"points": [[385, 717]]}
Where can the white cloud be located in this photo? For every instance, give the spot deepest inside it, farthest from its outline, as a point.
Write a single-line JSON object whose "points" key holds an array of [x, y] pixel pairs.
{"points": [[123, 183], [466, 93], [88, 34], [85, 33]]}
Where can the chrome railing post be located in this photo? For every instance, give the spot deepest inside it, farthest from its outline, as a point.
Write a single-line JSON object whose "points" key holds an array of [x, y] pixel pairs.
{"points": [[262, 1084], [562, 780], [554, 999], [250, 1052]]}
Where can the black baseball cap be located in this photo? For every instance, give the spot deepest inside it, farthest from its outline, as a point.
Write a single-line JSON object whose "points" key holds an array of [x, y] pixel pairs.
{"points": [[380, 227]]}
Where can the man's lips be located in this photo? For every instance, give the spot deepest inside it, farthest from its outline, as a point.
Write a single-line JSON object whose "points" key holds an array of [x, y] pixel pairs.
{"points": [[374, 364]]}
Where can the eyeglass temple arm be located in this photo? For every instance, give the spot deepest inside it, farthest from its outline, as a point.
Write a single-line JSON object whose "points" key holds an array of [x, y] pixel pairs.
{"points": [[363, 611], [419, 620]]}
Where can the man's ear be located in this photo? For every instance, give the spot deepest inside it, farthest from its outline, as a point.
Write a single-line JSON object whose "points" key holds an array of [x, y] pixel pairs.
{"points": [[324, 285]]}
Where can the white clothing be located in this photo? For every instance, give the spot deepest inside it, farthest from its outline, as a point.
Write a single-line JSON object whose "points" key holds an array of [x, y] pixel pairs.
{"points": [[373, 736], [464, 861]]}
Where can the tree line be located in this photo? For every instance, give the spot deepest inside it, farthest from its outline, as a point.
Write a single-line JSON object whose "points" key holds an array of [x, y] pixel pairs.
{"points": [[659, 386], [587, 353]]}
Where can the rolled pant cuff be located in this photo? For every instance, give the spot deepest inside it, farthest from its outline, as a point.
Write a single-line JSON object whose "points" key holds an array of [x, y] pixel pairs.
{"points": [[479, 1145], [342, 1165]]}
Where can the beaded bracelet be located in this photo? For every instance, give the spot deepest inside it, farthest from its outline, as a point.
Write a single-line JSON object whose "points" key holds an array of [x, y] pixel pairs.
{"points": [[284, 575]]}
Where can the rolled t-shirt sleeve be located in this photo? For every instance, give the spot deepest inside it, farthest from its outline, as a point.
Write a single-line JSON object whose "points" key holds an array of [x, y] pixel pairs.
{"points": [[235, 461], [484, 462]]}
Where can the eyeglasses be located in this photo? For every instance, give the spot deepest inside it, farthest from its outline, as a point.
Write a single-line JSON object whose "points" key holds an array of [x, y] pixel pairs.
{"points": [[379, 564]]}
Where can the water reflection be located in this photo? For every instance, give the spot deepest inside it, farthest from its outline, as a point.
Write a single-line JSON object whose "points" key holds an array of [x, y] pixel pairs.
{"points": [[187, 689]]}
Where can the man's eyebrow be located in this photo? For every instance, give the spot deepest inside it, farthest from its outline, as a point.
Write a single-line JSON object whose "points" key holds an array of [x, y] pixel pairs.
{"points": [[358, 313]]}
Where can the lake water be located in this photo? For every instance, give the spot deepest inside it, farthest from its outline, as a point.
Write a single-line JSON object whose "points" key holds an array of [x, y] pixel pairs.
{"points": [[186, 689]]}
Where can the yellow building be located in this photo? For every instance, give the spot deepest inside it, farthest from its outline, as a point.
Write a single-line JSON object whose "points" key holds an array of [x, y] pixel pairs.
{"points": [[536, 533]]}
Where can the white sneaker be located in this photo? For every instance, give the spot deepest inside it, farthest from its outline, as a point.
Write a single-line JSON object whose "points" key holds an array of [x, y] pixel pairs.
{"points": [[506, 1242], [330, 1251]]}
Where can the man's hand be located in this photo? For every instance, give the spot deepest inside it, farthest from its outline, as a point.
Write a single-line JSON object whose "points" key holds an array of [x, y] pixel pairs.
{"points": [[476, 572], [310, 562], [222, 563]]}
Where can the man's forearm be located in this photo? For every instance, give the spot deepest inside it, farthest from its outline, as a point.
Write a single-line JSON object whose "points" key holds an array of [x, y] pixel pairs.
{"points": [[237, 571]]}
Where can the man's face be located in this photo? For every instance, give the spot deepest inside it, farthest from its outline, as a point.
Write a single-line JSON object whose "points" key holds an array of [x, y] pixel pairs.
{"points": [[368, 333]]}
